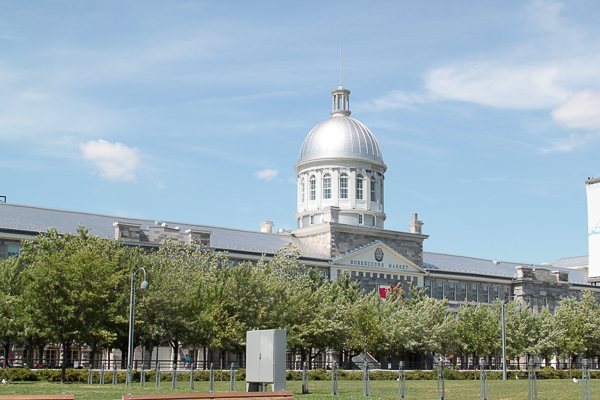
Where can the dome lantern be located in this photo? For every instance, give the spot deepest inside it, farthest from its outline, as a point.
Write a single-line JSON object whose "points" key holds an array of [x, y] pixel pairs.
{"points": [[341, 102]]}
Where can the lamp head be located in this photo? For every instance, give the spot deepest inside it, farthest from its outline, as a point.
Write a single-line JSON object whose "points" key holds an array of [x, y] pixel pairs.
{"points": [[517, 308], [144, 285]]}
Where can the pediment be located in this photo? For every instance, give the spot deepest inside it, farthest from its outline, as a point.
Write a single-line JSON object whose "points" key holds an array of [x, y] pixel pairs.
{"points": [[379, 256]]}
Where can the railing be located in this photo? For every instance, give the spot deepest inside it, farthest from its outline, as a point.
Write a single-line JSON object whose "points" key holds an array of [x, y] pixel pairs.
{"points": [[167, 364]]}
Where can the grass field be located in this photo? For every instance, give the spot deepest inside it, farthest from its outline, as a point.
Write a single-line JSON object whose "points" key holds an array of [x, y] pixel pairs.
{"points": [[555, 389]]}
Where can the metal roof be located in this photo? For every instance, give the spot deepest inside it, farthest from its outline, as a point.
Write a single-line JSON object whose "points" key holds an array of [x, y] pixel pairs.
{"points": [[492, 268], [36, 219], [340, 137]]}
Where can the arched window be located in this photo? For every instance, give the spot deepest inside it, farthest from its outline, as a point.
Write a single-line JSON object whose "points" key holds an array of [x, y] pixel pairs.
{"points": [[359, 187], [313, 187], [373, 195], [327, 186], [343, 186]]}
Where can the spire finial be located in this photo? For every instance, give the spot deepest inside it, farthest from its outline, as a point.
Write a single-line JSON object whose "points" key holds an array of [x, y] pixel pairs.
{"points": [[340, 61]]}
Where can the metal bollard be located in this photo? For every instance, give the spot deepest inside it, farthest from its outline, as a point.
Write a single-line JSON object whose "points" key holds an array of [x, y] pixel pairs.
{"points": [[305, 378], [211, 384], [334, 379], [232, 378], [102, 374], [366, 381], [143, 376], [484, 393], [401, 381], [586, 389], [157, 374], [192, 370], [441, 381], [532, 380], [114, 381], [174, 376], [90, 376]]}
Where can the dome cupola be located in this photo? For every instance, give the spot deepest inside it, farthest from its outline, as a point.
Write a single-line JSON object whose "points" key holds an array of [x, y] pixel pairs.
{"points": [[340, 171]]}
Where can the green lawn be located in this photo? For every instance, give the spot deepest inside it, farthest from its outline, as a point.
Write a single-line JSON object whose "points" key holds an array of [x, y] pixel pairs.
{"points": [[554, 389]]}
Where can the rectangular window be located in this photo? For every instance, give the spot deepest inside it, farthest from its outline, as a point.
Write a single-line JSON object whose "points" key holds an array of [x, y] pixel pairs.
{"points": [[360, 219], [359, 188], [440, 290], [428, 288], [474, 293], [452, 291], [312, 219], [13, 250], [344, 187], [463, 292], [373, 197], [327, 187], [486, 294], [302, 192], [544, 302], [507, 293], [313, 188], [496, 292]]}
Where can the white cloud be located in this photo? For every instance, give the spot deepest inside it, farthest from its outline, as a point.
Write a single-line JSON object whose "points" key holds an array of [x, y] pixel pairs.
{"points": [[266, 174], [582, 110], [115, 160], [497, 85], [573, 142]]}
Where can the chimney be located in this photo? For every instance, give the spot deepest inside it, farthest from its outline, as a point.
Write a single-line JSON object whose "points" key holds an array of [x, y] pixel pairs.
{"points": [[266, 227], [415, 225]]}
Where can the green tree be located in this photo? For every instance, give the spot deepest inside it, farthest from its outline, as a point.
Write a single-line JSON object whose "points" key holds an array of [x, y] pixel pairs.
{"points": [[72, 280]]}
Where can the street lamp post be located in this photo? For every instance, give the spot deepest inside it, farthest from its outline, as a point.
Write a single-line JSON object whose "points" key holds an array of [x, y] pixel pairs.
{"points": [[517, 309], [144, 285]]}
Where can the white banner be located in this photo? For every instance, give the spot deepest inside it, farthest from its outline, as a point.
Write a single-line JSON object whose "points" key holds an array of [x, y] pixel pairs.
{"points": [[593, 198]]}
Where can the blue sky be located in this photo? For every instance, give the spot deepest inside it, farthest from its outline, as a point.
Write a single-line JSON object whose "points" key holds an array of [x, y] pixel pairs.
{"points": [[487, 112]]}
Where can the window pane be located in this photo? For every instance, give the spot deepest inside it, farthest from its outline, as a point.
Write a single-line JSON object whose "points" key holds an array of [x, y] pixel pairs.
{"points": [[440, 290], [359, 187], [452, 291], [344, 186], [13, 250], [463, 292], [475, 294], [327, 187], [428, 288], [486, 294], [313, 187], [373, 197]]}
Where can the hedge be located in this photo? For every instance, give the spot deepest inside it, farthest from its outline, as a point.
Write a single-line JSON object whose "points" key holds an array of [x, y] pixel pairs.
{"points": [[81, 375]]}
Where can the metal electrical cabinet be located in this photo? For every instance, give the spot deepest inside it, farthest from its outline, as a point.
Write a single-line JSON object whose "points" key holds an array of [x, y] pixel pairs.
{"points": [[265, 359]]}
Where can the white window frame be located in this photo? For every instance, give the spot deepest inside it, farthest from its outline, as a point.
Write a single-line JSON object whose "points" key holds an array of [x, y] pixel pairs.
{"points": [[359, 187], [313, 188], [326, 186], [344, 186], [452, 291], [373, 189]]}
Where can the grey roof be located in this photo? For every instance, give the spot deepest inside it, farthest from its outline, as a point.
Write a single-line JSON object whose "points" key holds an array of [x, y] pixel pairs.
{"points": [[340, 137], [492, 268], [570, 262], [36, 219]]}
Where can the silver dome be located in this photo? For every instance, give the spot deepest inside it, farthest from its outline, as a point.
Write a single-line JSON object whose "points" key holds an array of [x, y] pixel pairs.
{"points": [[340, 137]]}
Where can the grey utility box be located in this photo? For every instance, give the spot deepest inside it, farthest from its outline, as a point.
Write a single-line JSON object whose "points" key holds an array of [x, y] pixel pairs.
{"points": [[265, 359]]}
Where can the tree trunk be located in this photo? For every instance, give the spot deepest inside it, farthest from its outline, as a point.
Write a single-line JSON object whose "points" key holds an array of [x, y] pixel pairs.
{"points": [[6, 350], [92, 355], [66, 357]]}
